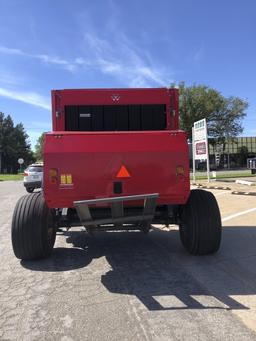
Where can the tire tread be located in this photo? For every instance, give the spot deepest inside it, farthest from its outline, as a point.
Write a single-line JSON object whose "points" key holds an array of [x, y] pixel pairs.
{"points": [[29, 228], [201, 215]]}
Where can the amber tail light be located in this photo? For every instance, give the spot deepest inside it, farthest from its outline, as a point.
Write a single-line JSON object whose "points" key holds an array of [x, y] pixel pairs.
{"points": [[53, 175], [180, 170]]}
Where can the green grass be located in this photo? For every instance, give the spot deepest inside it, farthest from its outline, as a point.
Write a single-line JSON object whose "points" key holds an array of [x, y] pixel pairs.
{"points": [[225, 176], [8, 177]]}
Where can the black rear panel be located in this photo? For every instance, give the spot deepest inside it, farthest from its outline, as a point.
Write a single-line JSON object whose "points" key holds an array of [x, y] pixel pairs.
{"points": [[115, 117]]}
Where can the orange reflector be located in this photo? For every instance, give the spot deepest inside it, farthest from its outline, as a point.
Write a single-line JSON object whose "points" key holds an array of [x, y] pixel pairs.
{"points": [[53, 172], [123, 173], [180, 170]]}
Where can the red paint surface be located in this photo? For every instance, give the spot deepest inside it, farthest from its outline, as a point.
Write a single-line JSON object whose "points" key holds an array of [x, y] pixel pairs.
{"points": [[95, 158], [61, 98]]}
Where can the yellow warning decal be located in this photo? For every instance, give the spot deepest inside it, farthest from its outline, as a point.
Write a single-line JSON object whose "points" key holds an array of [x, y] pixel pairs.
{"points": [[69, 179], [63, 179], [66, 179]]}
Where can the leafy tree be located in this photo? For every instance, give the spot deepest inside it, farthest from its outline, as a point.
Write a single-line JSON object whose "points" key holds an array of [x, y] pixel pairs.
{"points": [[39, 148], [22, 146], [224, 115], [243, 154], [13, 144]]}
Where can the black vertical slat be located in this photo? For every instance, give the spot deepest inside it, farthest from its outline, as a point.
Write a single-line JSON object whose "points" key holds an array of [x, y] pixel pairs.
{"points": [[163, 118], [122, 118], [159, 117], [71, 118], [115, 117], [134, 117], [109, 118], [97, 118], [146, 117], [85, 118]]}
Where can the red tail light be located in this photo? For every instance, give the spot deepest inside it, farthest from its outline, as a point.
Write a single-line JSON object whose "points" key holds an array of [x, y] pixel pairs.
{"points": [[25, 174]]}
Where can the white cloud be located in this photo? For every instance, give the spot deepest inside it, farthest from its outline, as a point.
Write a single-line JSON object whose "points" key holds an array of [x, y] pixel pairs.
{"points": [[27, 97], [10, 51], [118, 57], [123, 60], [70, 66]]}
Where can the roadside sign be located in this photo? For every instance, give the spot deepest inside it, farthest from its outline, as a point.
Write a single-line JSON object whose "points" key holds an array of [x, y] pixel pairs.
{"points": [[200, 140], [20, 161], [200, 149], [200, 144]]}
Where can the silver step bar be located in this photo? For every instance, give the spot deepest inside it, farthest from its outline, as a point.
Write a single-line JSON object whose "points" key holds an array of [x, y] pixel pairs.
{"points": [[117, 211]]}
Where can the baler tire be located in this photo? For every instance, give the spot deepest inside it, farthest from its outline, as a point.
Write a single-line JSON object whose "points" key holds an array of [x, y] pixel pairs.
{"points": [[33, 230], [200, 223]]}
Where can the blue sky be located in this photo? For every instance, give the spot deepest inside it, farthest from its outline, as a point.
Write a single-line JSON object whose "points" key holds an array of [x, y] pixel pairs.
{"points": [[56, 44]]}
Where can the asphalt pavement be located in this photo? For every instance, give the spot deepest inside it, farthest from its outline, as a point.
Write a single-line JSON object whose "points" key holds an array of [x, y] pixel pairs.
{"points": [[131, 286]]}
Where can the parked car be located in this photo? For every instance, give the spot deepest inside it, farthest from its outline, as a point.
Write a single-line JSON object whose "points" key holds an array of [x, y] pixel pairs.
{"points": [[33, 176]]}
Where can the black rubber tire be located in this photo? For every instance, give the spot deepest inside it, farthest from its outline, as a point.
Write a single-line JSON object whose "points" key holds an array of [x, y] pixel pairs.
{"points": [[200, 223], [30, 189], [33, 230]]}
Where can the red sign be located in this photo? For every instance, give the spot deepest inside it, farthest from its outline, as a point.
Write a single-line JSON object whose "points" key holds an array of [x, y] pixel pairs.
{"points": [[200, 148]]}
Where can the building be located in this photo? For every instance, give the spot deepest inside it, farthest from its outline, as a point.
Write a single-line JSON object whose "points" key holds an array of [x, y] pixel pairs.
{"points": [[233, 146], [232, 154]]}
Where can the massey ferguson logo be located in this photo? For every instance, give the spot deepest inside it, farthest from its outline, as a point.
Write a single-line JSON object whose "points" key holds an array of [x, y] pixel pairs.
{"points": [[115, 98]]}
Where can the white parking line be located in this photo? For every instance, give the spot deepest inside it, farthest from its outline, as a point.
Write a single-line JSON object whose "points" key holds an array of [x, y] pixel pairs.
{"points": [[238, 214]]}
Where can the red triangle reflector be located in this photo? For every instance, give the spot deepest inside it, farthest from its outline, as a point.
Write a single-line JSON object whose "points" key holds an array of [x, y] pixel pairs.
{"points": [[123, 173]]}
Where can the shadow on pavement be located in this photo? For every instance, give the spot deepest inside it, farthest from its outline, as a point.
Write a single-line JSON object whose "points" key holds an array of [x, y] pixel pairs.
{"points": [[157, 270], [62, 259]]}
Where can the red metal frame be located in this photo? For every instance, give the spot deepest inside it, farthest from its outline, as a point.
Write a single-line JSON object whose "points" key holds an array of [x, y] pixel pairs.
{"points": [[61, 98], [93, 159]]}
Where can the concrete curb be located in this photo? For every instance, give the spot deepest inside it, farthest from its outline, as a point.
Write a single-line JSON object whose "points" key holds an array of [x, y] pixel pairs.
{"points": [[243, 193], [245, 182], [212, 187]]}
